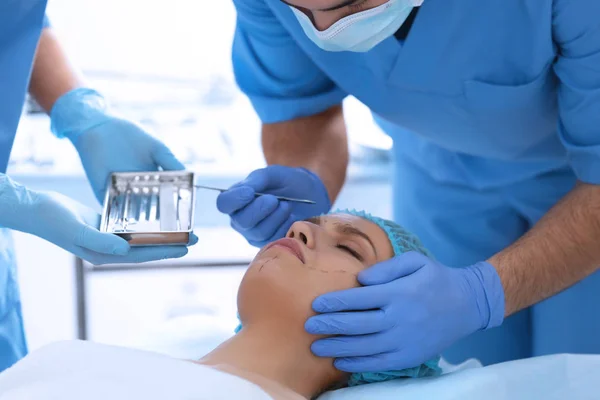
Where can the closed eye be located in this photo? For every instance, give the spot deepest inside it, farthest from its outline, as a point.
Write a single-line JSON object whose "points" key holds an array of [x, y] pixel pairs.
{"points": [[352, 252]]}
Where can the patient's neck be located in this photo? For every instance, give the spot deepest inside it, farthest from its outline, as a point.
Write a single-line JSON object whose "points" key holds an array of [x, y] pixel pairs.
{"points": [[278, 354]]}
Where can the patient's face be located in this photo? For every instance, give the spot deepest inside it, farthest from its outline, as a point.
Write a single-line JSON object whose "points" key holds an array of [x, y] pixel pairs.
{"points": [[318, 256]]}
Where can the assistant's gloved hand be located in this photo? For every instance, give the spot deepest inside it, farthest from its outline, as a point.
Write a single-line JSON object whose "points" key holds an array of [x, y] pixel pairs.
{"points": [[70, 225], [411, 309], [264, 219], [105, 143]]}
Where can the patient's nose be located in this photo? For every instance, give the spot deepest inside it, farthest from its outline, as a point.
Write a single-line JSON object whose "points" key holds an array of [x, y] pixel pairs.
{"points": [[303, 232]]}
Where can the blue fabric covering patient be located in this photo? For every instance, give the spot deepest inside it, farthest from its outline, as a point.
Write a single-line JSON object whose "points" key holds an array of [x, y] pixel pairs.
{"points": [[402, 242]]}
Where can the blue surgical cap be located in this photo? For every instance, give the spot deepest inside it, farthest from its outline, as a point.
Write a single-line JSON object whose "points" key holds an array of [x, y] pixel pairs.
{"points": [[402, 241]]}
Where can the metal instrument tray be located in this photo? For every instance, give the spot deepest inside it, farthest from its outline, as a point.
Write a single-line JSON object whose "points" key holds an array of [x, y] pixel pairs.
{"points": [[150, 208]]}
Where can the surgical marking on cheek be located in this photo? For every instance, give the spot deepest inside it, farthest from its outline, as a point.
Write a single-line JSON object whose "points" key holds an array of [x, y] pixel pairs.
{"points": [[324, 271], [266, 262]]}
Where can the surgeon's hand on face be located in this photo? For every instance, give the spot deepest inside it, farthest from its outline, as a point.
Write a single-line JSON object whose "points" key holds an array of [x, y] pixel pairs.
{"points": [[106, 143], [70, 225], [411, 309], [264, 219]]}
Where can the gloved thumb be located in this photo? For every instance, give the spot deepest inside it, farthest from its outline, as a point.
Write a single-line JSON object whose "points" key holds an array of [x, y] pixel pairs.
{"points": [[392, 269], [164, 158], [106, 243]]}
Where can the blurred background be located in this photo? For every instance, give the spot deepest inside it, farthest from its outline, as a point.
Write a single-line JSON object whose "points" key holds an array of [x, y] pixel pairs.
{"points": [[166, 65]]}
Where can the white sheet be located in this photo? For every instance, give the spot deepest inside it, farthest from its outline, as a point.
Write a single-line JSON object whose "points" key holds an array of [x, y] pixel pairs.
{"points": [[82, 370], [557, 377], [78, 370]]}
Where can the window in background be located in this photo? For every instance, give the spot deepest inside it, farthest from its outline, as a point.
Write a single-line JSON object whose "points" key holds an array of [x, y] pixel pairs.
{"points": [[168, 66]]}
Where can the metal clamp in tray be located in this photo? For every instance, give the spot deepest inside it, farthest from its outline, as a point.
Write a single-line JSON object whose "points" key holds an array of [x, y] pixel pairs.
{"points": [[150, 208]]}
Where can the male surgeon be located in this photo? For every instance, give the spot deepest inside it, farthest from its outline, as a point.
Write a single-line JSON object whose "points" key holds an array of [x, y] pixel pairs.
{"points": [[31, 58], [494, 109]]}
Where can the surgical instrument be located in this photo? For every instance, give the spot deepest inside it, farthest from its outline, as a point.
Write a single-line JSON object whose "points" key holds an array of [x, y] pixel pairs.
{"points": [[282, 198]]}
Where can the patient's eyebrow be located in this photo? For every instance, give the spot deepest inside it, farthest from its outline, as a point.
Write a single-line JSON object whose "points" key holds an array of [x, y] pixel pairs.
{"points": [[347, 229], [344, 229]]}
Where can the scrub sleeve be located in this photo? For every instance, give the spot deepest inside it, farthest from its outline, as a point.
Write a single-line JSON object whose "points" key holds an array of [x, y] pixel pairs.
{"points": [[273, 71]]}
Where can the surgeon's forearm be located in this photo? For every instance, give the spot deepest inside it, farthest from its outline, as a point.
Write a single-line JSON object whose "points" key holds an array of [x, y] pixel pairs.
{"points": [[560, 250], [318, 143], [52, 74]]}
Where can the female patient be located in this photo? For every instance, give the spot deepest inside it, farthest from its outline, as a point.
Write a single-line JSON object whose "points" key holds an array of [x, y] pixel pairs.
{"points": [[270, 357]]}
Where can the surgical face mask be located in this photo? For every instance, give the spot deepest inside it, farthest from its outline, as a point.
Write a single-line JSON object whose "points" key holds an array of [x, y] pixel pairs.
{"points": [[362, 31]]}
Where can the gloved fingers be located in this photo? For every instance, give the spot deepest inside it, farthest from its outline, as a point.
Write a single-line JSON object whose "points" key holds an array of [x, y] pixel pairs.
{"points": [[348, 323], [266, 229], [355, 299], [392, 269], [234, 199], [193, 239], [283, 227], [281, 232], [92, 239], [250, 216], [260, 180], [136, 255], [164, 158], [144, 254], [276, 177], [351, 346], [255, 243], [373, 363]]}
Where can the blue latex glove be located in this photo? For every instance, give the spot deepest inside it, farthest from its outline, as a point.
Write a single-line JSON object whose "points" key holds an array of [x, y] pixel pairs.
{"points": [[411, 308], [264, 219], [70, 225], [105, 143]]}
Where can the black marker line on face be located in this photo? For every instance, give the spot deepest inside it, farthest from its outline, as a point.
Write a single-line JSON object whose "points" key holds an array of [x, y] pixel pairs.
{"points": [[323, 271], [266, 262]]}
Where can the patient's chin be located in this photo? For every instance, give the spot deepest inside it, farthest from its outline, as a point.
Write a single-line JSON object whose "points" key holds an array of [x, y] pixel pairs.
{"points": [[272, 289], [281, 285]]}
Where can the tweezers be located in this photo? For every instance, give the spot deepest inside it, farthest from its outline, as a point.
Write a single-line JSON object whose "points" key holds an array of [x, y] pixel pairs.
{"points": [[282, 198]]}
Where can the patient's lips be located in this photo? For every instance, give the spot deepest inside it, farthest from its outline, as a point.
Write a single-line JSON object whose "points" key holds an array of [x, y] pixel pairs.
{"points": [[290, 245]]}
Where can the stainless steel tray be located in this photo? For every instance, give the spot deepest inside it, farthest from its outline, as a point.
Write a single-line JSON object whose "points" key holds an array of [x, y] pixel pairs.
{"points": [[150, 208]]}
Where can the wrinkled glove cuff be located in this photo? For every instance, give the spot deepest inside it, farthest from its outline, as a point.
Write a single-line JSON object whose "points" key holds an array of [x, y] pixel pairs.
{"points": [[490, 297], [16, 201], [319, 181], [78, 111]]}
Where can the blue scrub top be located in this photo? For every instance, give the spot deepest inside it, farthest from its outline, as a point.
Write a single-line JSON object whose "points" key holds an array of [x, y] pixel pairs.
{"points": [[483, 93], [21, 23]]}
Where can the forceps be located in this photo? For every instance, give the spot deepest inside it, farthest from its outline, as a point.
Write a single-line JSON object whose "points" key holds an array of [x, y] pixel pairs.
{"points": [[283, 198]]}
